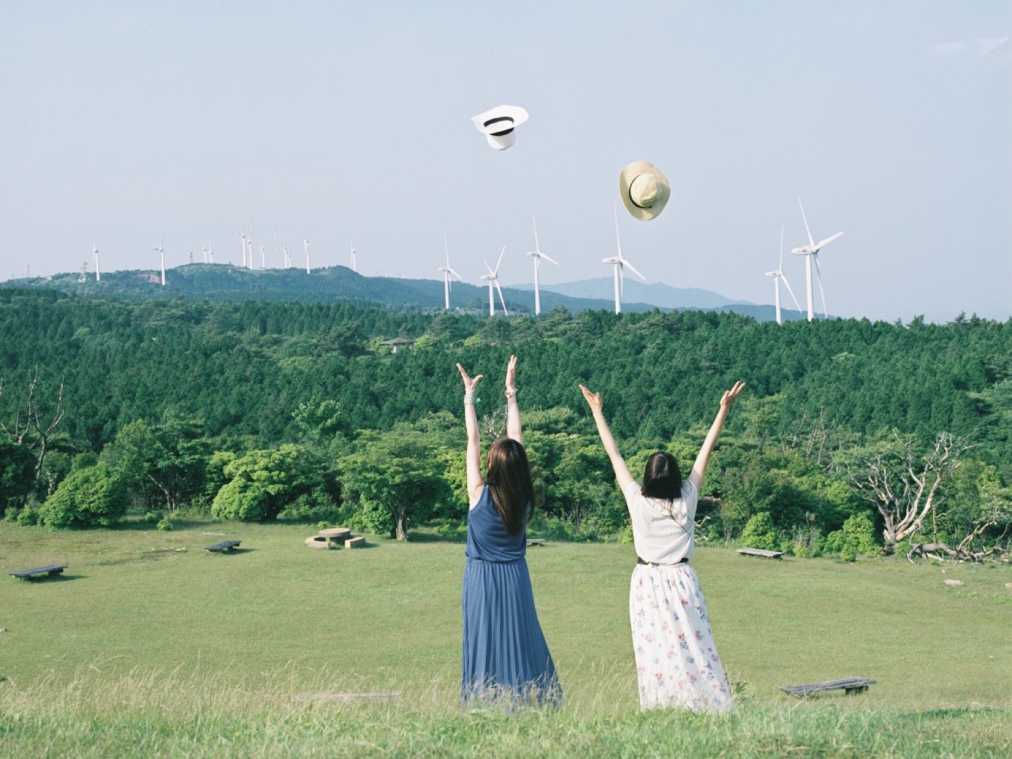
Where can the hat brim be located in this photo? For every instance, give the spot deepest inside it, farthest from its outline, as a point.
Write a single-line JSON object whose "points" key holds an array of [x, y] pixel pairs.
{"points": [[625, 179]]}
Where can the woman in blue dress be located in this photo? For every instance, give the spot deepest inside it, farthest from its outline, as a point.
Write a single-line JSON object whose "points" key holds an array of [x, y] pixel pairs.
{"points": [[505, 657]]}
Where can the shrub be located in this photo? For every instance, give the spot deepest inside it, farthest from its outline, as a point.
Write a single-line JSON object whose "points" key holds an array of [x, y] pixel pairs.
{"points": [[28, 516], [17, 475], [759, 532], [164, 524], [855, 538], [89, 497]]}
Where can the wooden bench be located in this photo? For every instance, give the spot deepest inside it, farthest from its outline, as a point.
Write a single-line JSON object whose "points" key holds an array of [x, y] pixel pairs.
{"points": [[849, 685], [358, 542], [761, 553], [225, 546], [49, 570]]}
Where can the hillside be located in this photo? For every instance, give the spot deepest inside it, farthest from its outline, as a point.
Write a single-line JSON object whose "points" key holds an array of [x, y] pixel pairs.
{"points": [[224, 282], [227, 283]]}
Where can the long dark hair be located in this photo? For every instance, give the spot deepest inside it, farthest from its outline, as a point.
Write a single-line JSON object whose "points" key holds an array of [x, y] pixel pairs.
{"points": [[509, 482], [662, 478]]}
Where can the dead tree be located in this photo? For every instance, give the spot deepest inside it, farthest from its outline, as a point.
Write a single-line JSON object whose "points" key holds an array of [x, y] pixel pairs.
{"points": [[904, 484], [32, 426]]}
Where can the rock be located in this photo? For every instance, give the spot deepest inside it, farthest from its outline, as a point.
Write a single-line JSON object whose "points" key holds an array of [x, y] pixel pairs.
{"points": [[1008, 585], [953, 583]]}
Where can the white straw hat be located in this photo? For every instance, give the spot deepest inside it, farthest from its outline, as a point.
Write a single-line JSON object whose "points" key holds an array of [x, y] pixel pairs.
{"points": [[644, 189], [497, 124]]}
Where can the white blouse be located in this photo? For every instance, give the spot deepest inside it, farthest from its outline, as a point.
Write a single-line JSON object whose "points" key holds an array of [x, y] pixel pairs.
{"points": [[662, 530]]}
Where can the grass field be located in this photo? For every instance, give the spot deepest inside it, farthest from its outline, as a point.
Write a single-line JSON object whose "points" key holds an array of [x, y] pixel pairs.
{"points": [[152, 645]]}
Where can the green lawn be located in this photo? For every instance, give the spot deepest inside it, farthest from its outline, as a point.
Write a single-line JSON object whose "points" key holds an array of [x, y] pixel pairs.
{"points": [[148, 618]]}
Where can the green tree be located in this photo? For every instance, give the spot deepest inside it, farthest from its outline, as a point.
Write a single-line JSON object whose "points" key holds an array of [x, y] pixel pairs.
{"points": [[395, 479], [17, 475], [94, 496], [262, 483]]}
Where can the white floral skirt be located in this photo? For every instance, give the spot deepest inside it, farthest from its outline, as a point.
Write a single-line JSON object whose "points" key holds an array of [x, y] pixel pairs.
{"points": [[676, 659]]}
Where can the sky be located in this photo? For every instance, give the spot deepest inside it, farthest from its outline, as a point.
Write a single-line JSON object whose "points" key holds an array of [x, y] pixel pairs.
{"points": [[130, 123]]}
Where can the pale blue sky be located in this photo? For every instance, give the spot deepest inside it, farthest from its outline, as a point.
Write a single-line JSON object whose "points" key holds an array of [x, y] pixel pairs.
{"points": [[126, 123]]}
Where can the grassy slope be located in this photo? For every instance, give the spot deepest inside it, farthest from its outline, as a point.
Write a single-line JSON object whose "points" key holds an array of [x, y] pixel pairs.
{"points": [[284, 619]]}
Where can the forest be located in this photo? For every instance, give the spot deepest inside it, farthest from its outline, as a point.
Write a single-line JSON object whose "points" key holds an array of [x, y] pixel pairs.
{"points": [[853, 436]]}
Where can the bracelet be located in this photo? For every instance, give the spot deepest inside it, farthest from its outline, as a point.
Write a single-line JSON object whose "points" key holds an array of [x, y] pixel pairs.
{"points": [[469, 397], [511, 393]]}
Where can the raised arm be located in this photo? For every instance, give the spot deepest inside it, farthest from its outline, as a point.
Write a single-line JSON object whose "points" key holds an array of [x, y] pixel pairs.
{"points": [[473, 461], [617, 462], [703, 458], [513, 428]]}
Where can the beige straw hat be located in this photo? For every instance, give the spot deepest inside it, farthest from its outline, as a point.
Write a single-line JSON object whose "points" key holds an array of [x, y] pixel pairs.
{"points": [[644, 189]]}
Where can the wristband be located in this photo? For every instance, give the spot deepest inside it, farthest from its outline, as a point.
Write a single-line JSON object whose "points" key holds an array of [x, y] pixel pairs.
{"points": [[469, 397], [511, 393]]}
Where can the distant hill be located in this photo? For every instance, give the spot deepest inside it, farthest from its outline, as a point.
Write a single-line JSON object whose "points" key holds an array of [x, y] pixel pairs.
{"points": [[227, 283], [654, 293], [224, 282]]}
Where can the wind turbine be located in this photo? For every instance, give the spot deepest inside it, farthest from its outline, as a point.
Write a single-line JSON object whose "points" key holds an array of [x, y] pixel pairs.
{"points": [[242, 239], [536, 255], [249, 254], [810, 252], [288, 258], [210, 254], [354, 259], [160, 250], [98, 270], [778, 276], [305, 246], [619, 263], [263, 258], [448, 272], [492, 277]]}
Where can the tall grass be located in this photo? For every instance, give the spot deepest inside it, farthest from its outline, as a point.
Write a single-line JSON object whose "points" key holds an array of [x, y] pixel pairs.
{"points": [[187, 713]]}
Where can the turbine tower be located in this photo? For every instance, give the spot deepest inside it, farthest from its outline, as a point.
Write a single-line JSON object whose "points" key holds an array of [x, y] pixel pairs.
{"points": [[354, 258], [98, 270], [619, 263], [160, 250], [210, 253], [305, 246], [448, 272], [242, 239], [249, 254], [288, 258], [536, 255], [778, 276], [492, 277], [811, 252], [263, 258]]}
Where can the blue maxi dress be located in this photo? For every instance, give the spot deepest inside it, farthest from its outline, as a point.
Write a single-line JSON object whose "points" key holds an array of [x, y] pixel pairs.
{"points": [[505, 655]]}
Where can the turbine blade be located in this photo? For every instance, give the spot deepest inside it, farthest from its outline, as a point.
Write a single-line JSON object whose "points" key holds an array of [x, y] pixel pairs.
{"points": [[823, 243], [618, 238], [791, 291], [549, 259], [453, 271], [818, 276], [501, 299], [811, 241], [489, 268], [633, 269], [537, 245], [499, 262], [781, 247]]}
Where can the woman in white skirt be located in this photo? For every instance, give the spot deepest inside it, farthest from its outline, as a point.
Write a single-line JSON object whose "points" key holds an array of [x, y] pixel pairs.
{"points": [[676, 659]]}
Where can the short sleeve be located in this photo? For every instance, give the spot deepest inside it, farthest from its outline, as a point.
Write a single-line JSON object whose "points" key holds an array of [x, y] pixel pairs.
{"points": [[631, 493], [690, 497]]}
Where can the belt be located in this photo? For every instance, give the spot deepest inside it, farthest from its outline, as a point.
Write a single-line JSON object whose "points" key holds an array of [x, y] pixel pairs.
{"points": [[655, 564]]}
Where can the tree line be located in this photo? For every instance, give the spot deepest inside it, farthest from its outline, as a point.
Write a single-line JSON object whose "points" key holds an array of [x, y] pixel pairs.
{"points": [[268, 410]]}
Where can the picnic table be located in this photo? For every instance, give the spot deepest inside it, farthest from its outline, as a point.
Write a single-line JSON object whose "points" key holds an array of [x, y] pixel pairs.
{"points": [[225, 546], [849, 685], [49, 570]]}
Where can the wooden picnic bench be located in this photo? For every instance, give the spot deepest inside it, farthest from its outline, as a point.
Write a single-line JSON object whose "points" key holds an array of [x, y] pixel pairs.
{"points": [[49, 570], [761, 553], [849, 685], [225, 546]]}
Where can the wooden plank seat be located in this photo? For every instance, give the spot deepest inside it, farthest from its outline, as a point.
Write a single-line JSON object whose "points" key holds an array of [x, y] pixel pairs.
{"points": [[358, 542], [849, 685], [761, 553], [49, 570], [225, 546]]}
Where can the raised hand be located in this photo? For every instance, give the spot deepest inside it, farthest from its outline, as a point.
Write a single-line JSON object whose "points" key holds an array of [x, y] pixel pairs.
{"points": [[511, 376], [727, 400], [593, 399], [469, 382]]}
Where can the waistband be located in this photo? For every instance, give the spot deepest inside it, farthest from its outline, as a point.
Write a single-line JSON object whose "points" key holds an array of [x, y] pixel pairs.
{"points": [[655, 564]]}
